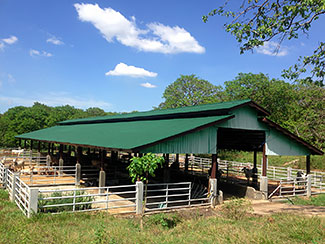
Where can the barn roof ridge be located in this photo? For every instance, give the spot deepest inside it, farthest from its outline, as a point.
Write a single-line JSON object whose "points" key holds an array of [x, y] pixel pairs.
{"points": [[204, 110]]}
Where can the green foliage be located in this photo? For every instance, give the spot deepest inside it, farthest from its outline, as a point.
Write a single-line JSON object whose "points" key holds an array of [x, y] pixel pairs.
{"points": [[189, 90], [19, 120], [141, 168], [313, 200], [297, 107], [43, 203], [259, 21], [164, 220], [237, 208]]}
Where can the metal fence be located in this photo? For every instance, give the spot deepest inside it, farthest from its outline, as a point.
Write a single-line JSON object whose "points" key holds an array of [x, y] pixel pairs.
{"points": [[115, 199], [292, 188], [172, 195], [49, 175]]}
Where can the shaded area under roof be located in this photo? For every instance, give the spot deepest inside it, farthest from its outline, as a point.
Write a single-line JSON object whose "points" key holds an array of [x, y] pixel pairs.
{"points": [[205, 110], [122, 135]]}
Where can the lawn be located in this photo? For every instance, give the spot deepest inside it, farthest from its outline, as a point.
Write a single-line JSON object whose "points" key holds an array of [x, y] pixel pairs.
{"points": [[314, 200], [195, 226]]}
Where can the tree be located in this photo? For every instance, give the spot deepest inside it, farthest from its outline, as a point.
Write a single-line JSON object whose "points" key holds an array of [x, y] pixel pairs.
{"points": [[260, 21], [297, 107], [189, 90], [141, 168]]}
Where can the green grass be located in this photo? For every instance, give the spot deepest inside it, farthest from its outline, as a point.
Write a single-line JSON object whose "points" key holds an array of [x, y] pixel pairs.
{"points": [[316, 162], [185, 227], [314, 200]]}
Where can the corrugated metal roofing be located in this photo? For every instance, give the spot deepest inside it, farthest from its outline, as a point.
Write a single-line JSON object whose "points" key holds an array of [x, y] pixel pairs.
{"points": [[121, 135], [163, 112]]}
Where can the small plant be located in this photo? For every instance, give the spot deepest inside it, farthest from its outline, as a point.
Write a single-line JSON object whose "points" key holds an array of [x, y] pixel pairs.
{"points": [[59, 200], [236, 208], [165, 221]]}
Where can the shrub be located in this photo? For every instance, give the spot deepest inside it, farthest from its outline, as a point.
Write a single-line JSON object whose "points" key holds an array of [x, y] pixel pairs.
{"points": [[57, 201], [164, 220]]}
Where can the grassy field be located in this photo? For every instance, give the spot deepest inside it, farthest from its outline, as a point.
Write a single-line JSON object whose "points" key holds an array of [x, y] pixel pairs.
{"points": [[195, 226], [314, 200], [316, 162]]}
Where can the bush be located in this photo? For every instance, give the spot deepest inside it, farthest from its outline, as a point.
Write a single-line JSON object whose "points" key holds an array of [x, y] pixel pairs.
{"points": [[164, 220], [43, 203], [236, 208]]}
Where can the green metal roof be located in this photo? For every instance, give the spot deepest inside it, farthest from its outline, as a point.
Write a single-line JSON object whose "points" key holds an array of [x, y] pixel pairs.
{"points": [[122, 135], [162, 112]]}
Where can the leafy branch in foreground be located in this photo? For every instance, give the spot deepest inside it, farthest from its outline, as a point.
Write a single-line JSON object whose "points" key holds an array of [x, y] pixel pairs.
{"points": [[260, 21]]}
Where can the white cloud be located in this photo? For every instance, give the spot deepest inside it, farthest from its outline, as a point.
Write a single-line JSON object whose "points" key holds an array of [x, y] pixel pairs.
{"points": [[272, 49], [54, 40], [156, 38], [34, 52], [53, 99], [7, 41], [122, 69], [148, 85], [10, 40]]}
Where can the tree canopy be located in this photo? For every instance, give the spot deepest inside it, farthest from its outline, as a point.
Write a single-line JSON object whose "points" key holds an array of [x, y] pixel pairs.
{"points": [[19, 120], [256, 22], [189, 90]]}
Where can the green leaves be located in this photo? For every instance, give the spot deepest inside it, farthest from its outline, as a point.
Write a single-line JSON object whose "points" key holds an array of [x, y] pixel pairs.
{"points": [[259, 21], [189, 90], [141, 168]]}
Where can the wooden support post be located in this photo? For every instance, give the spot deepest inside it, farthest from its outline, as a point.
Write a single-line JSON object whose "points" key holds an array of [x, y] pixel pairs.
{"points": [[88, 151], [308, 164], [61, 150], [52, 148], [255, 168], [48, 148], [214, 167], [186, 162], [19, 143], [39, 147], [31, 145], [69, 151], [177, 161], [264, 164]]}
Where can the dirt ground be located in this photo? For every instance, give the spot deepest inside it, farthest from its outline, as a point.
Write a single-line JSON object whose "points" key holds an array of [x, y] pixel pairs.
{"points": [[267, 208]]}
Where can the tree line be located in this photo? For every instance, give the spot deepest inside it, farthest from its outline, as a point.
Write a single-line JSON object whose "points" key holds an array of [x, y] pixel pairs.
{"points": [[298, 107]]}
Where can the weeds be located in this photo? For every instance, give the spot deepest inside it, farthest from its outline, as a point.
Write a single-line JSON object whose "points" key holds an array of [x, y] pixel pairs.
{"points": [[236, 209], [163, 220], [65, 200], [314, 200]]}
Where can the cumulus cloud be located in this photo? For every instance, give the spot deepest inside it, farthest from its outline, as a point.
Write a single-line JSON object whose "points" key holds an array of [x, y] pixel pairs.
{"points": [[148, 85], [272, 49], [34, 52], [10, 40], [54, 40], [155, 38], [7, 41], [123, 69]]}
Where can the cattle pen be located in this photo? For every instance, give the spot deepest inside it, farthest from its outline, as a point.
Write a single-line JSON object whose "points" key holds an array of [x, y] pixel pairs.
{"points": [[81, 165]]}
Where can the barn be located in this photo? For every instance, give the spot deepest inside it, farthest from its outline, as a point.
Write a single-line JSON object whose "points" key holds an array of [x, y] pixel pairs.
{"points": [[203, 129]]}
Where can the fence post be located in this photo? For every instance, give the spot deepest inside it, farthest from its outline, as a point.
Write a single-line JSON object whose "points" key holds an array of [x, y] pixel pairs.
{"points": [[48, 160], [213, 192], [4, 177], [78, 174], [33, 202], [264, 186], [61, 166], [289, 173], [309, 185], [139, 197], [13, 190], [102, 180]]}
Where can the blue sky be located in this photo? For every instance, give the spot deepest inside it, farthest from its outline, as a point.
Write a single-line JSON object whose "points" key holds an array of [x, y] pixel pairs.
{"points": [[120, 55]]}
